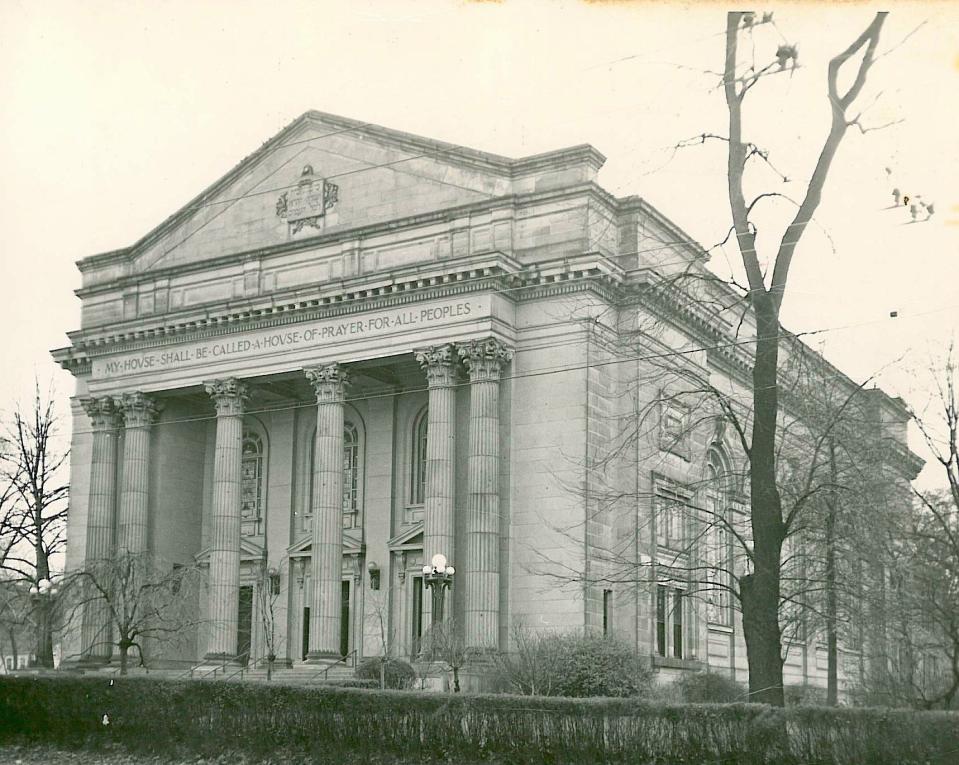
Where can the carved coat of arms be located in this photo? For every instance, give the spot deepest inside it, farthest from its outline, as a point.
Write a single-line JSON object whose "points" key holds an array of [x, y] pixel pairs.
{"points": [[308, 202]]}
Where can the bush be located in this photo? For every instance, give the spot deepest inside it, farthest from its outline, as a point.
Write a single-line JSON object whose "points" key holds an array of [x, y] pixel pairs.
{"points": [[329, 724], [287, 722], [399, 675], [709, 688], [575, 666], [804, 695]]}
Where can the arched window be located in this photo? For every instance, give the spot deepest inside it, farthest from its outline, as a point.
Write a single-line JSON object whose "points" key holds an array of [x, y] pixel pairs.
{"points": [[717, 552], [351, 473], [352, 477], [251, 482], [418, 458]]}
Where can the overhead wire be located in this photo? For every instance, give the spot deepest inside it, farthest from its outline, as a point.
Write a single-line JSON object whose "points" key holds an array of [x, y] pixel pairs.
{"points": [[541, 372]]}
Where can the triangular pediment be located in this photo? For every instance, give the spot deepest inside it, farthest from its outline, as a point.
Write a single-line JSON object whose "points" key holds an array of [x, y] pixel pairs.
{"points": [[357, 174], [249, 551], [410, 538], [303, 547]]}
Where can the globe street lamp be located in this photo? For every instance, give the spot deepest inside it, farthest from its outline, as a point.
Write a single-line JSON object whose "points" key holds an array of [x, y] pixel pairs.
{"points": [[438, 575], [42, 594]]}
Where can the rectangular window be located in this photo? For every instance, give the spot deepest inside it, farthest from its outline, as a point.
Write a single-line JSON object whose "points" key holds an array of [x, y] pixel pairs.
{"points": [[417, 620], [670, 626], [677, 624], [607, 613], [661, 620], [670, 511]]}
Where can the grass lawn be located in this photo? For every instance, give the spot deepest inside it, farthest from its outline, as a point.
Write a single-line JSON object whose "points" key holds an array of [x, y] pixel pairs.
{"points": [[35, 754]]}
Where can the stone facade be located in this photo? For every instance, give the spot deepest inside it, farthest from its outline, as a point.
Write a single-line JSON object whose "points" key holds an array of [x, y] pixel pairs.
{"points": [[403, 348]]}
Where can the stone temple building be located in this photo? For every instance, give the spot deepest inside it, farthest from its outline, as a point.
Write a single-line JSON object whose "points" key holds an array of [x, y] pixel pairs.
{"points": [[361, 348]]}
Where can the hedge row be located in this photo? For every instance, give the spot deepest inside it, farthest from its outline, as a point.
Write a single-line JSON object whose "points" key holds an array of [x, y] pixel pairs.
{"points": [[212, 718]]}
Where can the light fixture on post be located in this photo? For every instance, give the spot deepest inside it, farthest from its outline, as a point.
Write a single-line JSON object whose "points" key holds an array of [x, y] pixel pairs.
{"points": [[374, 571], [43, 593], [438, 575]]}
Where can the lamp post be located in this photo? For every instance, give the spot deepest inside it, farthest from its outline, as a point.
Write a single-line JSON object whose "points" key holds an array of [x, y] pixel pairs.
{"points": [[42, 594], [438, 576]]}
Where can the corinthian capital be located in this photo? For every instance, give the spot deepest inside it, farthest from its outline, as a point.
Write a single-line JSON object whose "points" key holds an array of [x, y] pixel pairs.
{"points": [[329, 382], [102, 412], [439, 363], [484, 359], [139, 410], [228, 396]]}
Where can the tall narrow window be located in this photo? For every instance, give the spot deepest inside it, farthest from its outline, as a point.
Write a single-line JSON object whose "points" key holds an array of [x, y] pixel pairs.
{"points": [[251, 482], [351, 451], [418, 459], [607, 613], [717, 552], [678, 624], [670, 626], [661, 620]]}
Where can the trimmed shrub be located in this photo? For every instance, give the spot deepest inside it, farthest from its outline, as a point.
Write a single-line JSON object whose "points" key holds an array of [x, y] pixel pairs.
{"points": [[709, 688], [330, 724], [805, 695], [399, 675], [574, 666]]}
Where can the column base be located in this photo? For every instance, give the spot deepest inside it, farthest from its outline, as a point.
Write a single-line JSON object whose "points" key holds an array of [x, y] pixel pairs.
{"points": [[221, 658], [322, 657]]}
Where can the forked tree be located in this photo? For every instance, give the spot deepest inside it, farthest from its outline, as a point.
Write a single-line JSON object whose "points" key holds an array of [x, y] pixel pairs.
{"points": [[148, 603], [760, 591]]}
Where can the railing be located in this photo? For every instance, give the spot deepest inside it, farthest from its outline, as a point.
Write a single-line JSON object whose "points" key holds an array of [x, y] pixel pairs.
{"points": [[220, 668], [348, 660], [243, 669]]}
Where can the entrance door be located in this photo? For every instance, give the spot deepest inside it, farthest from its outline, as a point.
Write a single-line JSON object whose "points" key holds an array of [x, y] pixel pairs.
{"points": [[345, 619], [416, 622], [306, 631], [244, 624]]}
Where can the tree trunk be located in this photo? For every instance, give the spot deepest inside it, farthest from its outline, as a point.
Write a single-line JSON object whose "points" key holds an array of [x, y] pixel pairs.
{"points": [[832, 642], [760, 591], [124, 649], [44, 628]]}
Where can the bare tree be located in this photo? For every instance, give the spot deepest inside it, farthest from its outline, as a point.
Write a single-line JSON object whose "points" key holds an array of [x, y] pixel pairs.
{"points": [[268, 593], [760, 591], [146, 600], [929, 570], [444, 646], [34, 503]]}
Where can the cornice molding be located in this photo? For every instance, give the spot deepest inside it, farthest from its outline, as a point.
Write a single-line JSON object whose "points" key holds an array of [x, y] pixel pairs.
{"points": [[441, 215], [497, 273]]}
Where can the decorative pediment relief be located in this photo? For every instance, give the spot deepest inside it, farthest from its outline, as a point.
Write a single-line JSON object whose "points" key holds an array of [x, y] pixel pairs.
{"points": [[249, 551], [411, 538]]}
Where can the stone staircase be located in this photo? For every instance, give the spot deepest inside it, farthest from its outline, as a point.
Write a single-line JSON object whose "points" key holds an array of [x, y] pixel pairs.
{"points": [[301, 674]]}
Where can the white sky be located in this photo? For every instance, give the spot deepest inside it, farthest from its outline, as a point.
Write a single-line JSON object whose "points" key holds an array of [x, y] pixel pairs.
{"points": [[114, 114]]}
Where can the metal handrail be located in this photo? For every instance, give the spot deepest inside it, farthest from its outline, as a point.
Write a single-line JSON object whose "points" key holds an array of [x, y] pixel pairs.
{"points": [[243, 667], [325, 672], [220, 668]]}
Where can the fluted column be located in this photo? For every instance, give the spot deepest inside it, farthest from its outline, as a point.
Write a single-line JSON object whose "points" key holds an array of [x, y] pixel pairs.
{"points": [[439, 363], [101, 512], [139, 412], [229, 397], [329, 383], [485, 360]]}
